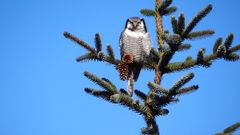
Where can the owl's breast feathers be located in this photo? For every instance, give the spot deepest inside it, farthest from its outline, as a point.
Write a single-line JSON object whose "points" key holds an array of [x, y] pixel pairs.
{"points": [[136, 43]]}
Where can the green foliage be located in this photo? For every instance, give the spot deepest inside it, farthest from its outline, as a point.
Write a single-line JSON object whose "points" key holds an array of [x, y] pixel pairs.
{"points": [[217, 44], [232, 128], [181, 82], [221, 51], [234, 49], [123, 91], [184, 47], [181, 24], [228, 41], [147, 12], [187, 90], [79, 42], [196, 20], [141, 95], [100, 94], [86, 57], [171, 39], [229, 130], [154, 54], [200, 34], [101, 82], [188, 59], [164, 60], [101, 56], [157, 88], [178, 25], [161, 112], [110, 52], [144, 131], [98, 42], [110, 83], [164, 5], [174, 25], [126, 100], [200, 55], [164, 8], [232, 57], [168, 11], [161, 97]]}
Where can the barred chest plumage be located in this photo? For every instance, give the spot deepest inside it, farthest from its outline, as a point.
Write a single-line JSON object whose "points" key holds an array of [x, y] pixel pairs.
{"points": [[136, 43]]}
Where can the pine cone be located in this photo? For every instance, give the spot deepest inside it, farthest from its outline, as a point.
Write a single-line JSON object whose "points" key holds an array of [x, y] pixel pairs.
{"points": [[123, 70]]}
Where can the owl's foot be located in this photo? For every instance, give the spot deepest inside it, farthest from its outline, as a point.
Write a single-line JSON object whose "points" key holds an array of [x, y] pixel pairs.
{"points": [[128, 58]]}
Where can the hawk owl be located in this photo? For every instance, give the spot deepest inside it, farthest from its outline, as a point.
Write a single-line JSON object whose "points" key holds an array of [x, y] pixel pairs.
{"points": [[135, 45]]}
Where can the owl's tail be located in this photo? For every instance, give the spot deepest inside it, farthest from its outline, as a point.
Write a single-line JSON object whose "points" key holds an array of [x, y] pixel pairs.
{"points": [[134, 70]]}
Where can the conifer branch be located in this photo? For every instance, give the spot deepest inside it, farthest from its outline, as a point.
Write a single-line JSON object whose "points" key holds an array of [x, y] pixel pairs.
{"points": [[234, 49], [184, 47], [168, 11], [147, 12], [219, 51], [123, 91], [94, 54], [217, 44], [228, 41], [181, 24], [200, 55], [79, 42], [200, 34], [181, 82], [162, 96], [157, 88], [152, 127], [98, 42], [110, 52], [164, 4], [86, 57], [160, 112], [232, 57], [120, 98], [99, 94], [159, 6], [187, 90], [173, 42], [196, 20], [110, 83], [141, 95], [127, 101], [111, 94], [101, 82], [174, 25], [230, 130]]}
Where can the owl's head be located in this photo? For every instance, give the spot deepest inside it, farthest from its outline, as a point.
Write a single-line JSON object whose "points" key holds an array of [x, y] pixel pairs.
{"points": [[136, 24]]}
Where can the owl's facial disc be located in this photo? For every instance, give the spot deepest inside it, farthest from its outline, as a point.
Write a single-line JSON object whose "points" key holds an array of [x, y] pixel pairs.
{"points": [[135, 25]]}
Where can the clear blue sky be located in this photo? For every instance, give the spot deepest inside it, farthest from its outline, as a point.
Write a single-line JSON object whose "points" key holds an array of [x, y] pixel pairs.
{"points": [[41, 85]]}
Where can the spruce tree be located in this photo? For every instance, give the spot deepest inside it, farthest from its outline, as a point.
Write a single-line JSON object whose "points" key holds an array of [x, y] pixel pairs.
{"points": [[153, 104]]}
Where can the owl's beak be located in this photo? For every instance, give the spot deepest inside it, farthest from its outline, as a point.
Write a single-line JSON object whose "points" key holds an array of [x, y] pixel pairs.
{"points": [[135, 25]]}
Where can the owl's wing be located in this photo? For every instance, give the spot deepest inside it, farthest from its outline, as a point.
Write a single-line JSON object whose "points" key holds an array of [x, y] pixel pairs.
{"points": [[147, 43], [121, 44]]}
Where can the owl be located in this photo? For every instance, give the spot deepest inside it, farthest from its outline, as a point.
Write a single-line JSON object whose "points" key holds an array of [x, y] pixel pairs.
{"points": [[135, 45]]}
